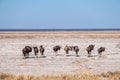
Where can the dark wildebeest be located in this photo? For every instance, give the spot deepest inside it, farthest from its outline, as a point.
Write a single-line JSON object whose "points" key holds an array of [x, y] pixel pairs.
{"points": [[89, 49], [42, 50], [26, 51], [76, 49], [71, 48], [56, 48], [100, 50], [67, 48], [36, 51]]}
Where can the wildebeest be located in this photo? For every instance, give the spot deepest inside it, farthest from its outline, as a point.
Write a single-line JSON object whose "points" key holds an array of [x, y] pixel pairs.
{"points": [[36, 51], [56, 48], [67, 48], [89, 49], [76, 49], [42, 50], [26, 51], [71, 48], [100, 50]]}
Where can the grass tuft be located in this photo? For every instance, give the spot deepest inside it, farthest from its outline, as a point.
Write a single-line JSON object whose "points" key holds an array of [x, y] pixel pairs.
{"points": [[85, 76]]}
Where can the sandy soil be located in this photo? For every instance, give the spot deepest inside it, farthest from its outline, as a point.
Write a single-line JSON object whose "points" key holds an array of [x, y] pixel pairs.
{"points": [[12, 43]]}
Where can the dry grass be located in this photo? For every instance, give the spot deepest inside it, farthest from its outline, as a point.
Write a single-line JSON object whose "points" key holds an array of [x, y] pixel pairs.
{"points": [[84, 76], [65, 34]]}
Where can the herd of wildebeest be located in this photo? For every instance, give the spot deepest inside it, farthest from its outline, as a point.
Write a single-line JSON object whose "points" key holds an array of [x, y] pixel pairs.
{"points": [[27, 49]]}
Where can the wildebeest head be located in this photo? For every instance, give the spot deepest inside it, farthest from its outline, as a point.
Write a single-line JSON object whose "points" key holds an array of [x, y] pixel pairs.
{"points": [[56, 48], [101, 49], [41, 47], [90, 47], [28, 49], [66, 48], [35, 47], [76, 48], [35, 50]]}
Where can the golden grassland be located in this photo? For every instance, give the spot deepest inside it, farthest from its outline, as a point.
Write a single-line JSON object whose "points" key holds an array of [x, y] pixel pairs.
{"points": [[85, 76], [62, 34]]}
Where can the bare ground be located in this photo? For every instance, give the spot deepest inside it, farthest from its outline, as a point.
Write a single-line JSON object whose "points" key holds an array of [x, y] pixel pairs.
{"points": [[11, 59]]}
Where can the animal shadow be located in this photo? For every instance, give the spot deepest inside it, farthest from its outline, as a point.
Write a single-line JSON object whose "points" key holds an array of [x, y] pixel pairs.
{"points": [[34, 57], [68, 55]]}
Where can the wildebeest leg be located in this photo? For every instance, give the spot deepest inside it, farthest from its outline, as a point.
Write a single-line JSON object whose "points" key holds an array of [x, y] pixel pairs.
{"points": [[24, 54], [59, 51], [27, 55], [76, 53], [100, 54], [36, 54], [67, 51], [89, 53], [56, 53], [42, 53]]}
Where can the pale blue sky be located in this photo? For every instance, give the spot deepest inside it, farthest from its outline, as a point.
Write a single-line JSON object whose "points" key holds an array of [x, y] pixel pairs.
{"points": [[59, 14]]}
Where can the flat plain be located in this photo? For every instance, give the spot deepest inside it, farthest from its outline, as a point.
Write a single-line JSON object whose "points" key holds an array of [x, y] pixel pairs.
{"points": [[12, 43]]}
